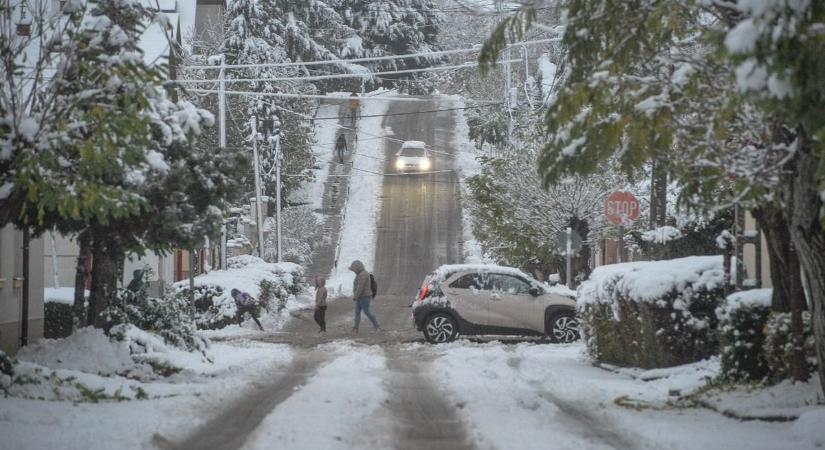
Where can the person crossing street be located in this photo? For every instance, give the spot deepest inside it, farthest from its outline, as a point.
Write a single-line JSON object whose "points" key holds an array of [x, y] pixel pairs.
{"points": [[362, 294]]}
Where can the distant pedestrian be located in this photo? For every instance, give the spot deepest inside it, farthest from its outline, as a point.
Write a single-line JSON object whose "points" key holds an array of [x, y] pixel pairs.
{"points": [[245, 303], [354, 107], [341, 147], [362, 294], [321, 303]]}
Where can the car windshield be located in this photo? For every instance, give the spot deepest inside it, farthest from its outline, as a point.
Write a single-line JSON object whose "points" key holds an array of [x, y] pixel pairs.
{"points": [[413, 152]]}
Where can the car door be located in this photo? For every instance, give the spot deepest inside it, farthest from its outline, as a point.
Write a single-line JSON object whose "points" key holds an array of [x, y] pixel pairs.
{"points": [[510, 301], [469, 295]]}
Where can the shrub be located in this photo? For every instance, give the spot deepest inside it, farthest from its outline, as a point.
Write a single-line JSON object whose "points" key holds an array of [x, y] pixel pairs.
{"points": [[652, 314], [741, 322], [6, 370], [170, 317], [778, 348], [57, 321]]}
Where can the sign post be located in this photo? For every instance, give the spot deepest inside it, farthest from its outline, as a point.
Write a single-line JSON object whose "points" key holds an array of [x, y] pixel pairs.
{"points": [[621, 208], [568, 244], [569, 252]]}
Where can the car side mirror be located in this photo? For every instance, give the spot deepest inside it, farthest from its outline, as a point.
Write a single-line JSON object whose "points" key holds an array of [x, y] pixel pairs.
{"points": [[534, 291]]}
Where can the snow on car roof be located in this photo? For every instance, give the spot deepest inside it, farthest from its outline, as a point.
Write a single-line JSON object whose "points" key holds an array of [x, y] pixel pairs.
{"points": [[449, 269], [413, 144]]}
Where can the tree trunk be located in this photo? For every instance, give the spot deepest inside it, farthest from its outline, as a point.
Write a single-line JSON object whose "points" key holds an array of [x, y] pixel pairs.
{"points": [[107, 258], [809, 239], [79, 308], [786, 277]]}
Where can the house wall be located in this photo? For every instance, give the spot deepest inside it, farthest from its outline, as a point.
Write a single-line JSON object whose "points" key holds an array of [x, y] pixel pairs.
{"points": [[11, 292]]}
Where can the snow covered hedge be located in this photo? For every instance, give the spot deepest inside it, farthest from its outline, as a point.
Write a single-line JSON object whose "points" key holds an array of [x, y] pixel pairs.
{"points": [[742, 320], [778, 349], [653, 313], [273, 285], [756, 343]]}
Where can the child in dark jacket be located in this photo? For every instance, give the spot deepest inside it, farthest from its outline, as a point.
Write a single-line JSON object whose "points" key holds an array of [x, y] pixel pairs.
{"points": [[245, 303]]}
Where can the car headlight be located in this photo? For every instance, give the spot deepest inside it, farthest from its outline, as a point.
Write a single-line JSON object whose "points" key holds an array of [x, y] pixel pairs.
{"points": [[425, 164], [399, 164]]}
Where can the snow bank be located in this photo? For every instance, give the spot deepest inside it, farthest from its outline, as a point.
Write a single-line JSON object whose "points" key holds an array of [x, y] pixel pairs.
{"points": [[466, 165], [649, 281], [358, 235], [322, 148], [87, 350]]}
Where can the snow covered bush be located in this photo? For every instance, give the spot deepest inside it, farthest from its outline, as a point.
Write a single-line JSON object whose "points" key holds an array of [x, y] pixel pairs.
{"points": [[57, 320], [742, 319], [273, 285], [169, 317], [6, 370], [778, 348], [652, 314]]}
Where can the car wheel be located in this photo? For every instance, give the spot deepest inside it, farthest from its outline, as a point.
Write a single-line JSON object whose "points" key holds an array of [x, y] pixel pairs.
{"points": [[440, 328], [563, 328]]}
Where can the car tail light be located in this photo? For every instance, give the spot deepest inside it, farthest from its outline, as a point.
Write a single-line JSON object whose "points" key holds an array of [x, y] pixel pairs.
{"points": [[423, 292]]}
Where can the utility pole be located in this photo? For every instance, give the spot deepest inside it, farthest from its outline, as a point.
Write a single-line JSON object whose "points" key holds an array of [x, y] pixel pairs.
{"points": [[259, 220], [278, 161], [222, 145]]}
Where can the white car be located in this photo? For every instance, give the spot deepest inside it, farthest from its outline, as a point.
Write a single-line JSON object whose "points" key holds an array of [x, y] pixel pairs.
{"points": [[474, 299], [413, 157]]}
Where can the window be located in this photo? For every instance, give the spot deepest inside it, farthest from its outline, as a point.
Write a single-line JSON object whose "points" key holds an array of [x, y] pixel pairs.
{"points": [[510, 284], [413, 152], [469, 281]]}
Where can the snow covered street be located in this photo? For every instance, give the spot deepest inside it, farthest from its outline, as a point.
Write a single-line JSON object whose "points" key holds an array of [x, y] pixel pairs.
{"points": [[345, 395]]}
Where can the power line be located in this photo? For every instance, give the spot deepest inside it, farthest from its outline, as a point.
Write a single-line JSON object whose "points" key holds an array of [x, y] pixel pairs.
{"points": [[474, 49], [344, 75], [418, 112]]}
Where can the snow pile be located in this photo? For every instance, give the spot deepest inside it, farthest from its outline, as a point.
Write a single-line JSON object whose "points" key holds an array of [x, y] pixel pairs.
{"points": [[786, 400], [323, 150], [87, 350], [649, 281], [358, 234]]}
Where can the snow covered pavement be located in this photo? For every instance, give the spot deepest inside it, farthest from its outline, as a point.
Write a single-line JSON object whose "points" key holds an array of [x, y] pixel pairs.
{"points": [[345, 395]]}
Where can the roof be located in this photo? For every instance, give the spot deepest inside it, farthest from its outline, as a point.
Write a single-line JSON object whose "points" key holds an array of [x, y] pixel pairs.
{"points": [[413, 144], [449, 269]]}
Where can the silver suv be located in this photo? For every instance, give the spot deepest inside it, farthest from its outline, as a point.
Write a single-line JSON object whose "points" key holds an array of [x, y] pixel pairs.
{"points": [[487, 299]]}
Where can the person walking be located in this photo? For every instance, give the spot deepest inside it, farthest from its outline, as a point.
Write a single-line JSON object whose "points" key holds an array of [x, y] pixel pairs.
{"points": [[354, 108], [341, 147], [321, 303], [362, 294], [245, 303]]}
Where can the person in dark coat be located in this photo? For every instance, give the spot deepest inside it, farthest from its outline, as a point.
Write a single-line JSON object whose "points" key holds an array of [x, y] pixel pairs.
{"points": [[245, 303], [321, 303], [341, 147]]}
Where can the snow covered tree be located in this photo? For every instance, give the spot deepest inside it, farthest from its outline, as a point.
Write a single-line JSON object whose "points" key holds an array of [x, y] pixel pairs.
{"points": [[724, 94], [108, 155]]}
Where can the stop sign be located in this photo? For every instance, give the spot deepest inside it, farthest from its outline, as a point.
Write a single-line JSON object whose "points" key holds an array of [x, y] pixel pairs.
{"points": [[621, 208]]}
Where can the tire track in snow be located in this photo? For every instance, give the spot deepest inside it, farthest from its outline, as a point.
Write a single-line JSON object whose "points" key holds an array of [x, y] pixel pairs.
{"points": [[422, 416], [233, 426]]}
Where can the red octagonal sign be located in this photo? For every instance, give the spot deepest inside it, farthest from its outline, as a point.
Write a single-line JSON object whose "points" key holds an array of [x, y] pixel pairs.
{"points": [[621, 208]]}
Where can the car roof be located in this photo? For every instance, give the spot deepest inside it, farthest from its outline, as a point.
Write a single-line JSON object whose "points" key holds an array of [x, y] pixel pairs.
{"points": [[413, 144], [448, 270]]}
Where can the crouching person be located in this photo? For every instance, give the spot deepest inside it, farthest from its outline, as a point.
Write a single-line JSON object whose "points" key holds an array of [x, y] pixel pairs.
{"points": [[245, 303]]}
